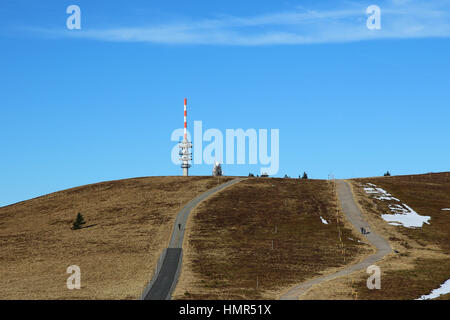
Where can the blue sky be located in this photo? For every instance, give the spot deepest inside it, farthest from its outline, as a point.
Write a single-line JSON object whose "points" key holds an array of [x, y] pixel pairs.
{"points": [[100, 103]]}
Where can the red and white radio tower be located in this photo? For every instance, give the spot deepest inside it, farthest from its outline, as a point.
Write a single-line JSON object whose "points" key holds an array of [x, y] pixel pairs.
{"points": [[185, 146]]}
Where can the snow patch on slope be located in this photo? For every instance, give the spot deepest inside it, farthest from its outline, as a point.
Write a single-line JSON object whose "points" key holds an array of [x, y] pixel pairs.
{"points": [[402, 214], [379, 192], [323, 220], [443, 289]]}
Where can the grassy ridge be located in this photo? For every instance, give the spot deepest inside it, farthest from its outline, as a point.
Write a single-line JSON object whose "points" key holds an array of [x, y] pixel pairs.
{"points": [[129, 223], [229, 244], [423, 259]]}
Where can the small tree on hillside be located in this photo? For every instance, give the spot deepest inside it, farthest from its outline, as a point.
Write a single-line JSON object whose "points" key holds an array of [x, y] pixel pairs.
{"points": [[251, 175], [78, 223], [305, 175], [387, 174]]}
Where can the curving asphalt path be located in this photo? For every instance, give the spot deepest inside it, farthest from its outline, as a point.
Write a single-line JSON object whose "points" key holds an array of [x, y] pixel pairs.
{"points": [[353, 214], [161, 287]]}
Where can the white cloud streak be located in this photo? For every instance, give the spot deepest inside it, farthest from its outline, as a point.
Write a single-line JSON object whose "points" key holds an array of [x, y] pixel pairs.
{"points": [[399, 19]]}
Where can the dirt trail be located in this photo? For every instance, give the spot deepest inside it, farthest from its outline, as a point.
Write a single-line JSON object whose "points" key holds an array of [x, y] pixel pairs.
{"points": [[353, 214]]}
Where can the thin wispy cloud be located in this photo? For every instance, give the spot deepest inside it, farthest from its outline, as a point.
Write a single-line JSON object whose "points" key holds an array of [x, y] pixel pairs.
{"points": [[399, 19]]}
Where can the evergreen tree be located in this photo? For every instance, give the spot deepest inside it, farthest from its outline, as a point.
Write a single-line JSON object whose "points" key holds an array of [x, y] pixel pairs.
{"points": [[79, 221], [305, 176], [387, 174]]}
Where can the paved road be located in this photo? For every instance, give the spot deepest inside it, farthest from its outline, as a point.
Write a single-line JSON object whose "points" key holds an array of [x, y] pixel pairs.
{"points": [[161, 288], [354, 215]]}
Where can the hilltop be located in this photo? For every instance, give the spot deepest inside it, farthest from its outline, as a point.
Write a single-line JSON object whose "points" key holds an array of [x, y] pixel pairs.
{"points": [[252, 240], [128, 223]]}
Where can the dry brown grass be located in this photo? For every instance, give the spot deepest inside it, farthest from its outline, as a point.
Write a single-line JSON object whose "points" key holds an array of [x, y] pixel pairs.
{"points": [[423, 259], [427, 194], [129, 223], [229, 240]]}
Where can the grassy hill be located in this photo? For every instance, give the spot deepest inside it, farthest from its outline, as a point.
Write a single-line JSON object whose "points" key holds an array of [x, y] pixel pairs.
{"points": [[422, 260], [128, 223], [228, 247], [253, 240]]}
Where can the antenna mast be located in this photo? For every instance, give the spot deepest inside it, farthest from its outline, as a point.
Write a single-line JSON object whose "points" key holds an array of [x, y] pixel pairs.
{"points": [[185, 146]]}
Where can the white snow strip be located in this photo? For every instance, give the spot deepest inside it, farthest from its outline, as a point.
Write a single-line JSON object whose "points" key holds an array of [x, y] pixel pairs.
{"points": [[388, 198], [323, 220], [382, 194], [405, 216], [370, 190], [402, 214], [398, 208], [443, 289], [446, 209]]}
